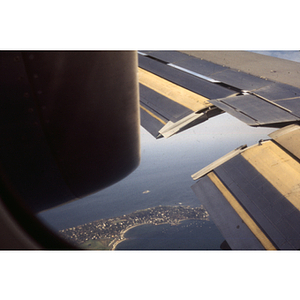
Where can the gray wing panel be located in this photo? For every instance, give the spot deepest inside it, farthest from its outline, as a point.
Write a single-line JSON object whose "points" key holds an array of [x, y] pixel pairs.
{"points": [[188, 81], [240, 80], [152, 125], [236, 233], [203, 67], [266, 206], [228, 76], [157, 110], [234, 111], [277, 91], [167, 56], [257, 110], [272, 68], [291, 104], [165, 107], [267, 103]]}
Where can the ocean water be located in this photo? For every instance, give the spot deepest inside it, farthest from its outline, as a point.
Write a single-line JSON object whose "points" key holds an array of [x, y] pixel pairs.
{"points": [[188, 235], [163, 178], [164, 174]]}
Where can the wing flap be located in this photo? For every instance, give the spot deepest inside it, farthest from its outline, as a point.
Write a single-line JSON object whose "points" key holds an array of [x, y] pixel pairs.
{"points": [[255, 111], [237, 234], [202, 85], [169, 106], [264, 180], [164, 107], [170, 97], [151, 121], [157, 110]]}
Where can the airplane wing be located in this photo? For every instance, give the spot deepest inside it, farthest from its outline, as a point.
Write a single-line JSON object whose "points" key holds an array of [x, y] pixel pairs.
{"points": [[252, 193], [179, 90]]}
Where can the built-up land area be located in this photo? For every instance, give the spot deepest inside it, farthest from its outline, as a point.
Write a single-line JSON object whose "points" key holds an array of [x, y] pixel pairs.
{"points": [[107, 233]]}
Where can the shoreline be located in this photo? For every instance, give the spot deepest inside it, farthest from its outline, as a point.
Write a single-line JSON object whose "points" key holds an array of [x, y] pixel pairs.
{"points": [[115, 243], [122, 239], [115, 228]]}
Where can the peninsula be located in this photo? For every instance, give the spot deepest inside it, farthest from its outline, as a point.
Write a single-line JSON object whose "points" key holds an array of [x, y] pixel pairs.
{"points": [[105, 234]]}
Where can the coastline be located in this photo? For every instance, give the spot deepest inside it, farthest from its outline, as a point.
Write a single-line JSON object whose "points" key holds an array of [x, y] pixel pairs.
{"points": [[115, 228], [121, 239]]}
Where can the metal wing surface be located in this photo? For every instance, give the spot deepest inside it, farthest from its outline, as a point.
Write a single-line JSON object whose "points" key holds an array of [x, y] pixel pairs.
{"points": [[181, 89], [253, 193]]}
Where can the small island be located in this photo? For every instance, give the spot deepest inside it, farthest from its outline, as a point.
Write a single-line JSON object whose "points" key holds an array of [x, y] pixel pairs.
{"points": [[105, 234]]}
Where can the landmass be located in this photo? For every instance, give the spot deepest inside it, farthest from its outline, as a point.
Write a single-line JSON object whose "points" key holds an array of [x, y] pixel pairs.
{"points": [[105, 234]]}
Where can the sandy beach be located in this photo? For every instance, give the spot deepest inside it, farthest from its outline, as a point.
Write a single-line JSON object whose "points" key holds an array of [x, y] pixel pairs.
{"points": [[122, 239]]}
